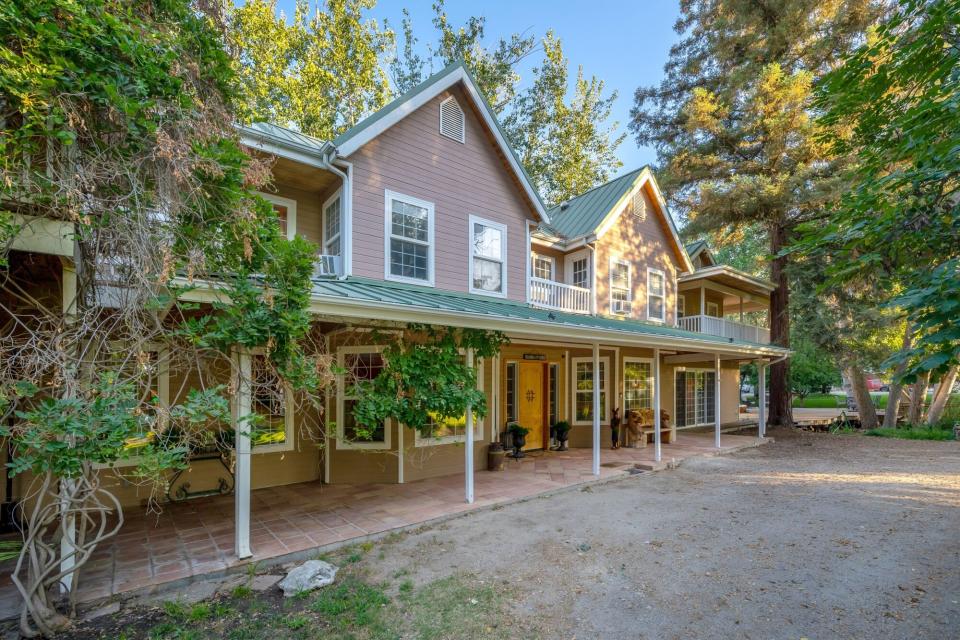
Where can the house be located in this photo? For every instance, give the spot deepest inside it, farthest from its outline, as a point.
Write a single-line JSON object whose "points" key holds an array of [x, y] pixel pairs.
{"points": [[424, 214]]}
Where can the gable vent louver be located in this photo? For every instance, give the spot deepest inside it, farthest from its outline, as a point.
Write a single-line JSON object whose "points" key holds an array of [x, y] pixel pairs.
{"points": [[639, 206], [452, 122]]}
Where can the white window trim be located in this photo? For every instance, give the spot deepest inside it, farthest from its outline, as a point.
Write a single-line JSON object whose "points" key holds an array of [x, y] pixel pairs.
{"points": [[288, 421], [606, 387], [503, 274], [420, 440], [388, 197], [291, 206], [539, 256], [323, 221], [621, 261], [623, 377], [463, 130], [716, 310], [663, 297], [342, 442], [569, 259]]}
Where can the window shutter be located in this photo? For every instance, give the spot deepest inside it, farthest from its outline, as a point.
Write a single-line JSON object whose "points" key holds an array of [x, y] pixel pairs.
{"points": [[452, 122]]}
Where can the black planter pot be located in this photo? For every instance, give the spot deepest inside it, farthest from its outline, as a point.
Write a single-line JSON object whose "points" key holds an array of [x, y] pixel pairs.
{"points": [[562, 439], [518, 442]]}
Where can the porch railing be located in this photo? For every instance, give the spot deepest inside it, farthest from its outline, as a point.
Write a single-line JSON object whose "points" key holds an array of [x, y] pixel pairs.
{"points": [[556, 295], [725, 328]]}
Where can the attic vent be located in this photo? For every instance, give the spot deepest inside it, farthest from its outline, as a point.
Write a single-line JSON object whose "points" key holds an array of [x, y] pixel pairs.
{"points": [[639, 206], [451, 120]]}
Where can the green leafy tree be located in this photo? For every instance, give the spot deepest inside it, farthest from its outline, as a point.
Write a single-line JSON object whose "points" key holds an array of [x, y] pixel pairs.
{"points": [[734, 131], [319, 73], [813, 370], [118, 124], [566, 146], [895, 104]]}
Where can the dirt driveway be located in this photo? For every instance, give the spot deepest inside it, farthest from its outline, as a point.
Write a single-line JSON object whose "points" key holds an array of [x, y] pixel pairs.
{"points": [[815, 536]]}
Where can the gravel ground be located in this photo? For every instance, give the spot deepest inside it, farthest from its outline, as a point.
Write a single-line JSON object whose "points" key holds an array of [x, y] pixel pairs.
{"points": [[815, 536]]}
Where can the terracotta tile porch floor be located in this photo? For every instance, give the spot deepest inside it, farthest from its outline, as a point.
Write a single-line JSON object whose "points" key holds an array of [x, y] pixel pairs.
{"points": [[196, 537]]}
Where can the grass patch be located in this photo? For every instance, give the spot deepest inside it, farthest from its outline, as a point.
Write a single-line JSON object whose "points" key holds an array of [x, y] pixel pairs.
{"points": [[918, 432], [839, 401], [456, 607]]}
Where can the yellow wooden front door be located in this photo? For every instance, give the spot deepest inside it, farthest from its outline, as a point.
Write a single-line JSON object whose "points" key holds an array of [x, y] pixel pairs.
{"points": [[530, 412]]}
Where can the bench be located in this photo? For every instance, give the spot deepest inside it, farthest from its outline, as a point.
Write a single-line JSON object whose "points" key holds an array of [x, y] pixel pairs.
{"points": [[639, 425]]}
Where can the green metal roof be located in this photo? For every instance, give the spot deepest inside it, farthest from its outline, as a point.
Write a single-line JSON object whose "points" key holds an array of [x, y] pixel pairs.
{"points": [[694, 247], [282, 135], [395, 295], [582, 215]]}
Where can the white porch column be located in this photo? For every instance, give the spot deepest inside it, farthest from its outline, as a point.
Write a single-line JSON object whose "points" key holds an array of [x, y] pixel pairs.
{"points": [[241, 485], [762, 398], [596, 408], [656, 405], [468, 450], [68, 541], [716, 401]]}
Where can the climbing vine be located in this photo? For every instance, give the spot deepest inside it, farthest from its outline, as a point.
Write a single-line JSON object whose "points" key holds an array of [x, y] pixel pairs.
{"points": [[425, 379]]}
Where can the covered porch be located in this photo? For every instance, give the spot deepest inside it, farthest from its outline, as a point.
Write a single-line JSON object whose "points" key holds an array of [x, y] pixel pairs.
{"points": [[195, 538]]}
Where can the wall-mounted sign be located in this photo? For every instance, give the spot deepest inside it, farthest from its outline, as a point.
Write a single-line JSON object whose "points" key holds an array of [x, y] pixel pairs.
{"points": [[534, 356]]}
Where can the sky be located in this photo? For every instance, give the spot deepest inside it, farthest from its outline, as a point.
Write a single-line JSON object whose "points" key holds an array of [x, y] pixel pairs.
{"points": [[624, 43]]}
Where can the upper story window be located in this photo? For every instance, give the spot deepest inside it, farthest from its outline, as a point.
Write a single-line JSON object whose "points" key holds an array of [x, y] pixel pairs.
{"points": [[681, 305], [620, 290], [408, 239], [656, 293], [332, 222], [452, 121], [286, 210], [713, 309], [581, 273], [542, 267], [488, 257]]}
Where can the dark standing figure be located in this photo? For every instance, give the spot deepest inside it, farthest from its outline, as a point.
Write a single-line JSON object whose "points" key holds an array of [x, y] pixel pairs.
{"points": [[615, 428]]}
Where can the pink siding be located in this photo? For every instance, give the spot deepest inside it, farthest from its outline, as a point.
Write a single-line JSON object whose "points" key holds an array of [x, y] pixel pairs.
{"points": [[460, 180], [644, 243]]}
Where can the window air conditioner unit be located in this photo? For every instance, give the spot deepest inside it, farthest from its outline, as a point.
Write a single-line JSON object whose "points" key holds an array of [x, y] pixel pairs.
{"points": [[621, 306], [326, 266]]}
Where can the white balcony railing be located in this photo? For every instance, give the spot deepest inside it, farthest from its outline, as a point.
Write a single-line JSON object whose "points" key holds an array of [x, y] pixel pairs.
{"points": [[725, 328], [556, 295]]}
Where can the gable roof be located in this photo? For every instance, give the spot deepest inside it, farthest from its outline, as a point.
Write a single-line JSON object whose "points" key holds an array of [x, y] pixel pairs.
{"points": [[595, 211], [370, 127], [696, 248]]}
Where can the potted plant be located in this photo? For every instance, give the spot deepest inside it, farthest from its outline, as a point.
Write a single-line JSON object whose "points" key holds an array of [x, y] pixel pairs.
{"points": [[495, 456], [561, 433], [519, 435]]}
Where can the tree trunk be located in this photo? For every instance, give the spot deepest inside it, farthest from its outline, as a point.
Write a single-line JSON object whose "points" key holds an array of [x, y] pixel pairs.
{"points": [[858, 381], [896, 387], [781, 412], [942, 395], [918, 398]]}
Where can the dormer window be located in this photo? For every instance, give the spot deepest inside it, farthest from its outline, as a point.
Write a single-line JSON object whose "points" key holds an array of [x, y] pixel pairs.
{"points": [[452, 120]]}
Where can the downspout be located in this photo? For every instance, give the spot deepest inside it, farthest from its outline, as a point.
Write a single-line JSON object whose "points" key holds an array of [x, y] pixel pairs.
{"points": [[346, 209]]}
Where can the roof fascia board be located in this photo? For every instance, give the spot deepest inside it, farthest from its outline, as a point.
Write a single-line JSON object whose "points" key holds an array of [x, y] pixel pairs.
{"points": [[644, 177], [414, 102], [723, 269]]}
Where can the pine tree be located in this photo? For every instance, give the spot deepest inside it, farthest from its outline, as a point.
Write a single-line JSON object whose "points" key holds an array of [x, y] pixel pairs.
{"points": [[732, 125]]}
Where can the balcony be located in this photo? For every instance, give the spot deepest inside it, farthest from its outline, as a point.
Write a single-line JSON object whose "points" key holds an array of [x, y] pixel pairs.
{"points": [[725, 328], [548, 294]]}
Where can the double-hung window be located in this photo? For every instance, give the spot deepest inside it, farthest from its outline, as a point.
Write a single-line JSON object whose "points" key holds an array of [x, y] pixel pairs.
{"points": [[542, 267], [620, 290], [488, 257], [450, 430], [583, 390], [332, 224], [681, 305], [360, 365], [409, 239], [656, 292]]}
